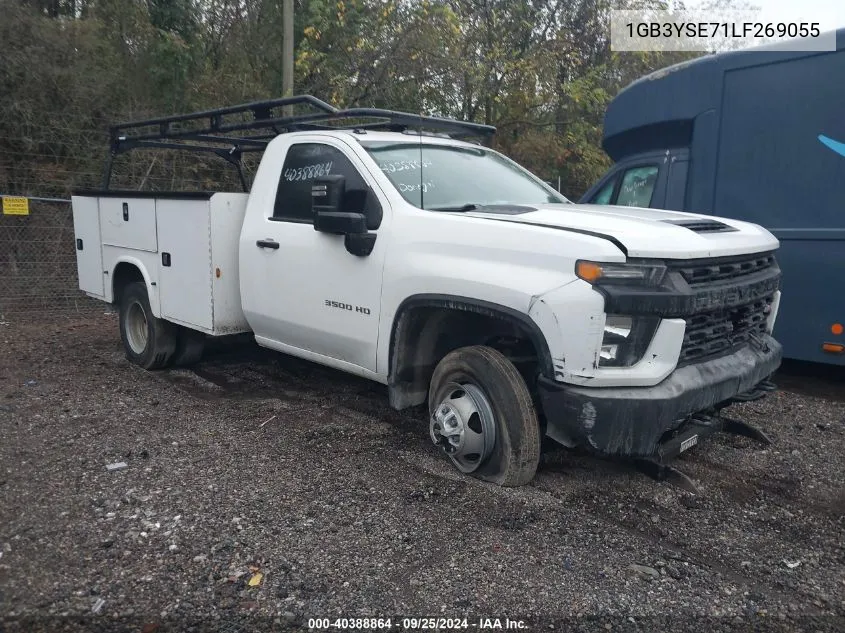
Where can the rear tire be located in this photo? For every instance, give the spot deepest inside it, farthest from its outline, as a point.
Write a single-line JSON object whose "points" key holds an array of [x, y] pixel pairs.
{"points": [[483, 416], [190, 345], [149, 342]]}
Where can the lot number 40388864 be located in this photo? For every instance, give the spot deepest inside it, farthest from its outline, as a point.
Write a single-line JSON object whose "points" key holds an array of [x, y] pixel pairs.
{"points": [[369, 624]]}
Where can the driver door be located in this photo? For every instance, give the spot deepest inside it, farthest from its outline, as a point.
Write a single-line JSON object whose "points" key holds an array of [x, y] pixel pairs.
{"points": [[304, 293]]}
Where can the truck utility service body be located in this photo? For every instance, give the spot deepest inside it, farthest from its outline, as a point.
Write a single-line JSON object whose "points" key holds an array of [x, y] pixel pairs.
{"points": [[388, 255]]}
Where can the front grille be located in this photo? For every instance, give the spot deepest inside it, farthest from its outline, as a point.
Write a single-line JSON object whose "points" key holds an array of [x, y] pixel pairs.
{"points": [[697, 273], [710, 333]]}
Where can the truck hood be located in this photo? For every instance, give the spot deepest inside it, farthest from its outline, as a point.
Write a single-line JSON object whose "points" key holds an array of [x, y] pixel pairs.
{"points": [[643, 232]]}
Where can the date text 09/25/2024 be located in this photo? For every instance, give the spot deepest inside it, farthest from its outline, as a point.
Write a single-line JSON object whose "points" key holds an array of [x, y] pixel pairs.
{"points": [[416, 624]]}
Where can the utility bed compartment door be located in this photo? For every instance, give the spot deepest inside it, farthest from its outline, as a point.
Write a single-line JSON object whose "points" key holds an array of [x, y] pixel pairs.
{"points": [[89, 254], [185, 275], [129, 222]]}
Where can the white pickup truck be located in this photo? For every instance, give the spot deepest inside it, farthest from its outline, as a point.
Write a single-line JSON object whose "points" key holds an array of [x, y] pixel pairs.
{"points": [[445, 271]]}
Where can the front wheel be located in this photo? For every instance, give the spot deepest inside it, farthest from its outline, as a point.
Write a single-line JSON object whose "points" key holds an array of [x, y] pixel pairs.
{"points": [[483, 417], [148, 341]]}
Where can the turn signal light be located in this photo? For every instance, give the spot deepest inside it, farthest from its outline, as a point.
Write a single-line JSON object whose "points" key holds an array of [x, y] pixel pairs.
{"points": [[588, 271], [833, 348], [837, 328], [630, 273]]}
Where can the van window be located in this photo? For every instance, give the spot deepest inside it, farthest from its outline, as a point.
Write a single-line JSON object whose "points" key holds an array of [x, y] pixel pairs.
{"points": [[605, 193], [637, 187]]}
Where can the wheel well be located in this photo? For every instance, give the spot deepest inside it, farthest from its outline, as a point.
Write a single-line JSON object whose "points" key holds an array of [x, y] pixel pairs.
{"points": [[124, 274], [425, 331]]}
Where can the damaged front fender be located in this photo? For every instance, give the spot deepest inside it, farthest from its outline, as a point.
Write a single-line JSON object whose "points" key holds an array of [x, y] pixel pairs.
{"points": [[571, 318]]}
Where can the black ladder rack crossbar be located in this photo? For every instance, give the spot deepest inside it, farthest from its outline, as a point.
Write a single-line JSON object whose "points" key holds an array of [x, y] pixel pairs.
{"points": [[206, 131], [213, 127]]}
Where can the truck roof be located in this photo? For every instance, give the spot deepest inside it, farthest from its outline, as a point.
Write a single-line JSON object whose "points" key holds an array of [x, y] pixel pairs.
{"points": [[380, 136], [657, 110]]}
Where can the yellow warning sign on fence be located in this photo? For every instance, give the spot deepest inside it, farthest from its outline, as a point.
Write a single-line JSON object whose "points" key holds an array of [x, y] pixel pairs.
{"points": [[15, 206]]}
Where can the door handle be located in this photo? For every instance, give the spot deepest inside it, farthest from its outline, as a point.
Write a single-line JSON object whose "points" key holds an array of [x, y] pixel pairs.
{"points": [[267, 244]]}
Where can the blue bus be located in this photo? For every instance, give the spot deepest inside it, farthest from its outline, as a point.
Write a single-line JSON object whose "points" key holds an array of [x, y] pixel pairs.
{"points": [[756, 135]]}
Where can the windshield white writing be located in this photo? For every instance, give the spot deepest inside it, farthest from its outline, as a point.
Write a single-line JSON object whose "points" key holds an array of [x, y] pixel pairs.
{"points": [[449, 176], [392, 167]]}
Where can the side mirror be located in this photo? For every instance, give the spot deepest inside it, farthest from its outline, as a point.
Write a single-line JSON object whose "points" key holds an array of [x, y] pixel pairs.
{"points": [[326, 198]]}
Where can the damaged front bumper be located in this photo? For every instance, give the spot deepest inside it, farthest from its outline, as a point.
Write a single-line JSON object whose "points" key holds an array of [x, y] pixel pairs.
{"points": [[630, 421]]}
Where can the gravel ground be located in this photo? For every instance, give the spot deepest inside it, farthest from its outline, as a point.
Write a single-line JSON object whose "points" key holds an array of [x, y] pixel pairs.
{"points": [[257, 463]]}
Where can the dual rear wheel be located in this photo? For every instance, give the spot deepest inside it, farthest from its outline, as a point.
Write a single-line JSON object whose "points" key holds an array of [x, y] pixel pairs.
{"points": [[150, 342]]}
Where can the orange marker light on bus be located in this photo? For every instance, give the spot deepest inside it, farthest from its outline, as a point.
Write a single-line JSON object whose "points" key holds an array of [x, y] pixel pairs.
{"points": [[837, 328], [833, 348]]}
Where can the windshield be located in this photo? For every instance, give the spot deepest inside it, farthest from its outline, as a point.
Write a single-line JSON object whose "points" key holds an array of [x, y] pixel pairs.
{"points": [[446, 177]]}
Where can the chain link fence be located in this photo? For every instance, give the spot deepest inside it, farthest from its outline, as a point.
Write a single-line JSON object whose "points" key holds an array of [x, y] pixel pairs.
{"points": [[38, 276]]}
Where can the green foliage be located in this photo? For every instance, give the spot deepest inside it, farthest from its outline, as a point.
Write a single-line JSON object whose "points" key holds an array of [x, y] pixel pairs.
{"points": [[540, 70]]}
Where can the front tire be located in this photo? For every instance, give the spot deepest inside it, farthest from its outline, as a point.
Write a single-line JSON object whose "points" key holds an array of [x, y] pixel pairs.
{"points": [[149, 342], [483, 416]]}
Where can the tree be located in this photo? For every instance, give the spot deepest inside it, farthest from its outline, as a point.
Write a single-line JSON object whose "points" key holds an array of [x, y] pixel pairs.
{"points": [[542, 71]]}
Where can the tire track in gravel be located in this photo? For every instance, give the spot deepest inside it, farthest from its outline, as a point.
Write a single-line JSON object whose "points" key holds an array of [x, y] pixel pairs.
{"points": [[305, 386], [742, 486], [549, 493], [544, 493], [231, 376], [551, 490], [555, 479], [683, 553]]}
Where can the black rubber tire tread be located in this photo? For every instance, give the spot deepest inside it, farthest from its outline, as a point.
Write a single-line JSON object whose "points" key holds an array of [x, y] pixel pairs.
{"points": [[190, 345], [516, 453], [161, 335]]}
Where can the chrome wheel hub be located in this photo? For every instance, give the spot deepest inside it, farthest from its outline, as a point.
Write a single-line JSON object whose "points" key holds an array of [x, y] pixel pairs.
{"points": [[463, 426]]}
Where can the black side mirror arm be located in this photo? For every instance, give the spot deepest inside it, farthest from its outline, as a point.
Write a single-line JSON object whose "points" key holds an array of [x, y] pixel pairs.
{"points": [[359, 244], [327, 194]]}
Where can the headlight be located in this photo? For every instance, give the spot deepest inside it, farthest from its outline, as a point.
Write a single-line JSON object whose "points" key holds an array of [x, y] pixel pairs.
{"points": [[626, 339], [641, 274]]}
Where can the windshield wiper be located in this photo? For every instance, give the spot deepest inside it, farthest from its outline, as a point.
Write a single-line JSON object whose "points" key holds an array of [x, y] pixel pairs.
{"points": [[461, 209]]}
